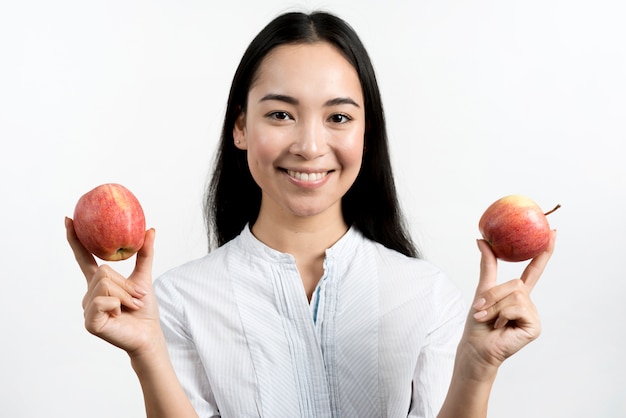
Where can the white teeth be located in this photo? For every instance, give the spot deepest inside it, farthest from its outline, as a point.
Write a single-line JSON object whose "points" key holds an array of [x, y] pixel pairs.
{"points": [[307, 176]]}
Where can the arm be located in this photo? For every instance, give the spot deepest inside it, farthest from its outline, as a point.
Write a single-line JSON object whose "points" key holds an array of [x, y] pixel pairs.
{"points": [[124, 312], [468, 395], [162, 392], [503, 320]]}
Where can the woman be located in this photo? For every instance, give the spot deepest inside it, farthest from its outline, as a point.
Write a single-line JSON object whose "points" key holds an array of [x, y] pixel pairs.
{"points": [[314, 303]]}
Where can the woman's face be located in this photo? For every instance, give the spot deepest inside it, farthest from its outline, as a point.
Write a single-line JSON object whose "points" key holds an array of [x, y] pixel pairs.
{"points": [[303, 130]]}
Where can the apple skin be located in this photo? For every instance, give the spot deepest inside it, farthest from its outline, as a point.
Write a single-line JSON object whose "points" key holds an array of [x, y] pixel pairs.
{"points": [[516, 228], [110, 223]]}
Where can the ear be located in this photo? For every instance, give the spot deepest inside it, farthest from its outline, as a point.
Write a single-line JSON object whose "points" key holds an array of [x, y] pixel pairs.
{"points": [[239, 132]]}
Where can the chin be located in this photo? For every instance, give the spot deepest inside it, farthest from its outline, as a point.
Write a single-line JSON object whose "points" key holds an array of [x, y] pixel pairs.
{"points": [[312, 210], [306, 212]]}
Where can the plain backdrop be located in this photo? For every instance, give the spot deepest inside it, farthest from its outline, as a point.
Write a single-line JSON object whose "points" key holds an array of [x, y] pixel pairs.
{"points": [[483, 99]]}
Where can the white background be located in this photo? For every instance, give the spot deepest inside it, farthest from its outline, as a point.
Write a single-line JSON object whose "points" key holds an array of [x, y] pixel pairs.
{"points": [[483, 99]]}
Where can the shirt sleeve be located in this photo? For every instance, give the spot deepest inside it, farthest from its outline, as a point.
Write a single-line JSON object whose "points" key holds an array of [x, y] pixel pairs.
{"points": [[436, 359], [183, 354]]}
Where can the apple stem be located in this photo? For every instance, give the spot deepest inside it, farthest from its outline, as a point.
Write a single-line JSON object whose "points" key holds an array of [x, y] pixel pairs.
{"points": [[550, 211]]}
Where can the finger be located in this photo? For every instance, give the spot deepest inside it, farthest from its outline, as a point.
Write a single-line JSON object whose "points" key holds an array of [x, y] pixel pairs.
{"points": [[519, 310], [488, 267], [522, 317], [143, 263], [535, 268], [108, 282], [98, 312], [490, 302], [85, 259], [503, 313]]}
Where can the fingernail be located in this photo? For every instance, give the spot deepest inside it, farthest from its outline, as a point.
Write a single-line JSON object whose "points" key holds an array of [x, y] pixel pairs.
{"points": [[141, 290], [137, 302], [500, 323], [480, 314], [480, 302]]}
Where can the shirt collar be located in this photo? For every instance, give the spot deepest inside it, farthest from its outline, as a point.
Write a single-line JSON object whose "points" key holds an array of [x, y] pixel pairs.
{"points": [[344, 247]]}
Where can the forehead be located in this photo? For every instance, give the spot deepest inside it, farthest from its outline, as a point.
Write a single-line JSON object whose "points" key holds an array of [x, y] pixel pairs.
{"points": [[307, 69]]}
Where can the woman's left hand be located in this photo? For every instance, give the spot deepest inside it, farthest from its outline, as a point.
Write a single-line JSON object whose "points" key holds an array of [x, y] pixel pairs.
{"points": [[503, 318]]}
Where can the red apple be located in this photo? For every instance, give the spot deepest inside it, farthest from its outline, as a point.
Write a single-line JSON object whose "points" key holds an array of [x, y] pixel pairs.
{"points": [[516, 228], [110, 222]]}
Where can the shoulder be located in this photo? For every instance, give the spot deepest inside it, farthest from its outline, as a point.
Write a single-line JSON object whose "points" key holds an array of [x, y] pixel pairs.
{"points": [[402, 277], [195, 274], [391, 262]]}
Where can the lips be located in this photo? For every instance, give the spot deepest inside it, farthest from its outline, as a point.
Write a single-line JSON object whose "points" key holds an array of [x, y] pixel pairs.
{"points": [[307, 177]]}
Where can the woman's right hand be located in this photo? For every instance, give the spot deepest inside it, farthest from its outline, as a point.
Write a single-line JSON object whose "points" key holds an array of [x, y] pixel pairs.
{"points": [[122, 311]]}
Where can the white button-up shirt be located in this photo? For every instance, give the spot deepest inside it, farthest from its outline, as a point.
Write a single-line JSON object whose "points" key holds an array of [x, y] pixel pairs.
{"points": [[378, 338]]}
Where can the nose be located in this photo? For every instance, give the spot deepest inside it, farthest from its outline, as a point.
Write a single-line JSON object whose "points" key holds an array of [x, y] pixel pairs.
{"points": [[310, 140]]}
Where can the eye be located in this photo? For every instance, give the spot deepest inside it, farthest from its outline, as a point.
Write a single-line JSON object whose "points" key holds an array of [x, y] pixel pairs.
{"points": [[279, 116], [339, 118]]}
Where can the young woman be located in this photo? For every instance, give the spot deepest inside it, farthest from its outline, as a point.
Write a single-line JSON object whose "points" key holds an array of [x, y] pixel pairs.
{"points": [[314, 303]]}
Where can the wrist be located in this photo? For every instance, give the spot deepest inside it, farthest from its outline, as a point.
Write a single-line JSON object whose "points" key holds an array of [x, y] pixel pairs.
{"points": [[163, 394], [150, 357], [471, 366], [470, 387]]}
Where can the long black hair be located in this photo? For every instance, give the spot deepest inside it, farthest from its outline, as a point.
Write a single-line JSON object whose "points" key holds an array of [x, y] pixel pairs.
{"points": [[233, 198]]}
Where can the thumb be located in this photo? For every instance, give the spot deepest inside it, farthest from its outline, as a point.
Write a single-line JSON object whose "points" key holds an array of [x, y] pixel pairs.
{"points": [[85, 259], [488, 267], [142, 274]]}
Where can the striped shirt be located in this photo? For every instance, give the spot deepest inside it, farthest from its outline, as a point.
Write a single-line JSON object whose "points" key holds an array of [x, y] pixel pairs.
{"points": [[378, 338]]}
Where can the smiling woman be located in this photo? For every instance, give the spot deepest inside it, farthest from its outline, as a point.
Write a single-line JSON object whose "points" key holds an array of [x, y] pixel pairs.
{"points": [[234, 198], [304, 144], [314, 303]]}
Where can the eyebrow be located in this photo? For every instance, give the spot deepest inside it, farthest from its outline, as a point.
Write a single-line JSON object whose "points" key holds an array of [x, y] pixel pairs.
{"points": [[293, 101]]}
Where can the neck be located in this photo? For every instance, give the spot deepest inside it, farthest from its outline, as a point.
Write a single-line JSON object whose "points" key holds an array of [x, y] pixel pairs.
{"points": [[300, 236], [305, 238]]}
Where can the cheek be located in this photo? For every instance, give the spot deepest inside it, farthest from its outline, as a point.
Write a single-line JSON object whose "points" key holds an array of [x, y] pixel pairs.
{"points": [[350, 149], [262, 148]]}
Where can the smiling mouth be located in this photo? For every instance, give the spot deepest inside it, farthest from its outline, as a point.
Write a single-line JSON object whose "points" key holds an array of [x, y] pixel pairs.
{"points": [[307, 177]]}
